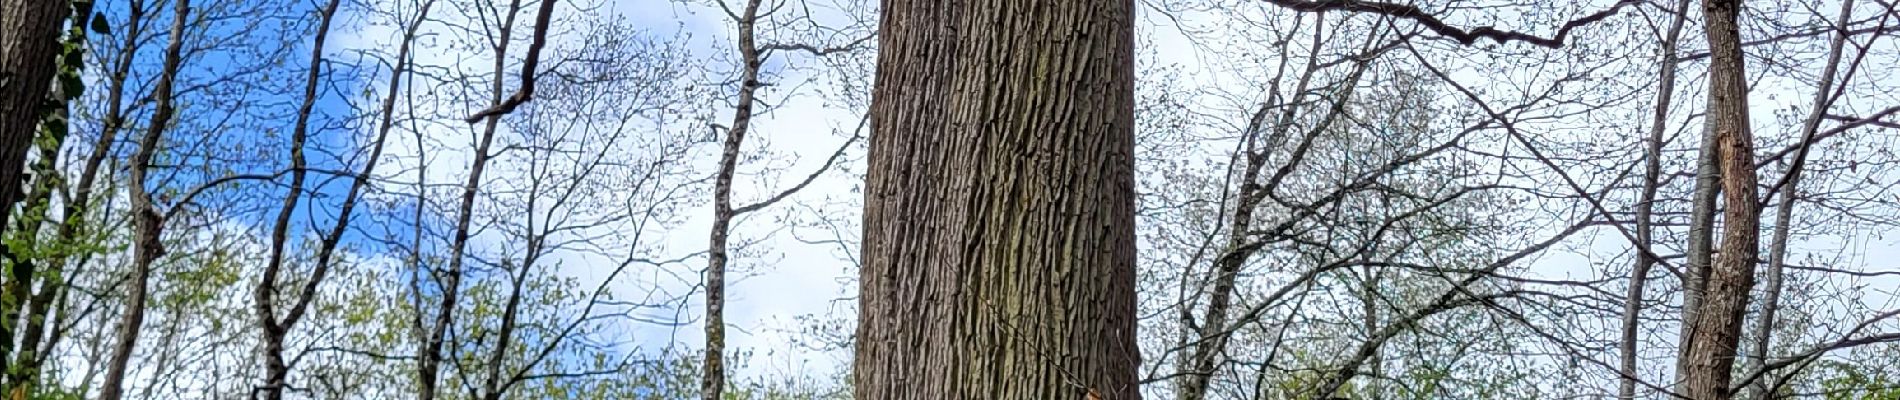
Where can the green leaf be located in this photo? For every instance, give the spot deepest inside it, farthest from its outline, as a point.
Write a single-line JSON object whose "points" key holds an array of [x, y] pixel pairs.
{"points": [[71, 85], [99, 24]]}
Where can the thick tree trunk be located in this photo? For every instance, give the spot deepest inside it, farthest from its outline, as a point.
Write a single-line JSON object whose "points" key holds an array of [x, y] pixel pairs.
{"points": [[29, 41], [999, 247], [43, 179], [1709, 353], [28, 357]]}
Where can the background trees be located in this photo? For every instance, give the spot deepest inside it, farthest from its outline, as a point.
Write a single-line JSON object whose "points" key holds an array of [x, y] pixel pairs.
{"points": [[1330, 199]]}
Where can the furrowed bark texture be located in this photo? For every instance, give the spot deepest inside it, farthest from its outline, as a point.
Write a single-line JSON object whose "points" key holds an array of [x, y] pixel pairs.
{"points": [[1709, 355], [29, 41], [999, 213]]}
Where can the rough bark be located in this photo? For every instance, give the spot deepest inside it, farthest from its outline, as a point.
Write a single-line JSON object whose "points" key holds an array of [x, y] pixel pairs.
{"points": [[1784, 211], [1699, 252], [999, 251], [29, 41], [1715, 330], [43, 179], [73, 223], [147, 222], [1646, 205]]}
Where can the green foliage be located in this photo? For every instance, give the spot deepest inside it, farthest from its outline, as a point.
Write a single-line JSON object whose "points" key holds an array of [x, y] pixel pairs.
{"points": [[1852, 383]]}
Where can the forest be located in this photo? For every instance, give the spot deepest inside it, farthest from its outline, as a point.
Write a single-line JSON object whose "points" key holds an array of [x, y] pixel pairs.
{"points": [[949, 199]]}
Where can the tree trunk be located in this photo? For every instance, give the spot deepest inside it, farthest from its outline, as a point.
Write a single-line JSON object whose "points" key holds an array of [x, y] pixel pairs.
{"points": [[1211, 342], [1645, 207], [29, 41], [276, 369], [1709, 353], [28, 356], [43, 178], [1784, 211], [429, 364], [712, 383], [147, 222], [1700, 249], [999, 247]]}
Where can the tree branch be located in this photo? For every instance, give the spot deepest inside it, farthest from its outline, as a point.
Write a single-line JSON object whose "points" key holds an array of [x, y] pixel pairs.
{"points": [[817, 51], [858, 133], [526, 92], [1463, 36]]}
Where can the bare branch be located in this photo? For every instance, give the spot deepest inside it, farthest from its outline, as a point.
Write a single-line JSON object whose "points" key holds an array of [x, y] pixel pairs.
{"points": [[1463, 36], [835, 155], [817, 51], [526, 92]]}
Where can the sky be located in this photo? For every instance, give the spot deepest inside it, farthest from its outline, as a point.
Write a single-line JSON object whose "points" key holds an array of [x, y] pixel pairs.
{"points": [[781, 278], [786, 277]]}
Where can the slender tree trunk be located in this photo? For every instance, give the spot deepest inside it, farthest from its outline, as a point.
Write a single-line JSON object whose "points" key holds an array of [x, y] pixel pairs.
{"points": [[1646, 205], [493, 386], [1784, 211], [1716, 328], [276, 370], [712, 384], [29, 41], [147, 222], [429, 363], [1211, 341], [1701, 242], [1369, 304], [19, 254], [999, 247]]}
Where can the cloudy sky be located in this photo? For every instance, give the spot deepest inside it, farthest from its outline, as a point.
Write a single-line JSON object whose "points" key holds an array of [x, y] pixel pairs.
{"points": [[792, 272]]}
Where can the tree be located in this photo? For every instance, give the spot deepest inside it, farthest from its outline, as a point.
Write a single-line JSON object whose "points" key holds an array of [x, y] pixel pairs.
{"points": [[1716, 328], [999, 249], [24, 249], [746, 104], [29, 41], [147, 223], [271, 328], [448, 281]]}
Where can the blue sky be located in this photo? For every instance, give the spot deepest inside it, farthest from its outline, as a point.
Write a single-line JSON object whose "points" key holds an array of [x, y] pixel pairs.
{"points": [[786, 277], [783, 279]]}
